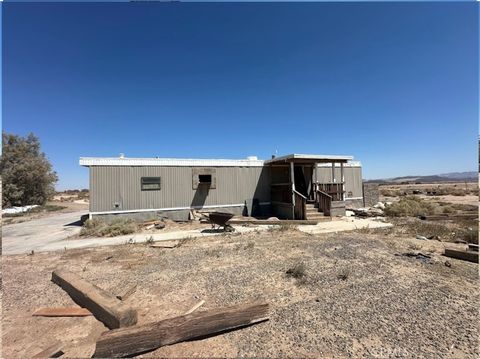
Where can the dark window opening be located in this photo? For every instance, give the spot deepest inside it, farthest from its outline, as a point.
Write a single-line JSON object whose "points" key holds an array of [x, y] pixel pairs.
{"points": [[205, 178], [150, 183]]}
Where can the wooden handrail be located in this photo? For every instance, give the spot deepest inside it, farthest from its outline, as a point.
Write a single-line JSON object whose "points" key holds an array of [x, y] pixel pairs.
{"points": [[324, 193], [301, 195], [299, 208]]}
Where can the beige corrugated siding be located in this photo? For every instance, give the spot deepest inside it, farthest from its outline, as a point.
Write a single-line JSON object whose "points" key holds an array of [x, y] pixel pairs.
{"points": [[353, 179], [121, 184]]}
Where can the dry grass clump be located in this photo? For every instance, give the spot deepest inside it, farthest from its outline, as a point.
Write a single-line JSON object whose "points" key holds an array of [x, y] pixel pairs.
{"points": [[298, 271], [391, 192], [99, 228], [410, 206]]}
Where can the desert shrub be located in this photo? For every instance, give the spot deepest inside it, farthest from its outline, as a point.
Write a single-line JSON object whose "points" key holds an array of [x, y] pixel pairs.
{"points": [[410, 206], [99, 228], [391, 192], [469, 234], [430, 230], [448, 209]]}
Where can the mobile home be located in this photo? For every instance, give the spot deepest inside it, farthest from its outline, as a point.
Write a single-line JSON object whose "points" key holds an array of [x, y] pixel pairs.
{"points": [[287, 187]]}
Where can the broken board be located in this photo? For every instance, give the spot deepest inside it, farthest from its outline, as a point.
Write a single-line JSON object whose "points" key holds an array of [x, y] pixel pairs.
{"points": [[62, 312], [469, 256]]}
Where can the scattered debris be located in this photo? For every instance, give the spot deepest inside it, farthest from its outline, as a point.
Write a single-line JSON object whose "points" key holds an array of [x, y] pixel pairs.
{"points": [[17, 210], [31, 253], [62, 312], [423, 238], [127, 293], [195, 307], [367, 212], [158, 224], [108, 258], [470, 256], [448, 264], [104, 306], [418, 255], [138, 339], [53, 351]]}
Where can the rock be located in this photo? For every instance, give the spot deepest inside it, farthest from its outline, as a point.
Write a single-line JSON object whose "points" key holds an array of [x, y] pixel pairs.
{"points": [[379, 205], [423, 238], [448, 264]]}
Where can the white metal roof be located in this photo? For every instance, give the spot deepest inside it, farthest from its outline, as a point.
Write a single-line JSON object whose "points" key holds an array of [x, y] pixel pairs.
{"points": [[176, 162], [299, 156], [195, 162]]}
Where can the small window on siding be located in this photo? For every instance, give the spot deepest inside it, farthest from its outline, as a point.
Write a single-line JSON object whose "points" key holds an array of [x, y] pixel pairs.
{"points": [[150, 183]]}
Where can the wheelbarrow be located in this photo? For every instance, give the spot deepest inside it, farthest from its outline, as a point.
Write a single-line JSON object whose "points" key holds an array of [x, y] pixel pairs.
{"points": [[220, 219]]}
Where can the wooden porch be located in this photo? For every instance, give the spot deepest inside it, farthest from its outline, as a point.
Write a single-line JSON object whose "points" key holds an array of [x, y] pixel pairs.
{"points": [[296, 193]]}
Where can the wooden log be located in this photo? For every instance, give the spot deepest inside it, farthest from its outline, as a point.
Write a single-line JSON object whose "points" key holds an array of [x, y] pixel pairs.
{"points": [[164, 245], [279, 222], [103, 305], [62, 312], [195, 307], [125, 342], [127, 293], [53, 351], [463, 255]]}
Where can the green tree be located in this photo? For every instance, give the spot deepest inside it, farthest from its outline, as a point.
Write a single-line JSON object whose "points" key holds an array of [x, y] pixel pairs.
{"points": [[27, 175]]}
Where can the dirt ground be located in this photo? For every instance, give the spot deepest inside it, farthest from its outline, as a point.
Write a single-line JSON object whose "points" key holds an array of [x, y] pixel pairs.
{"points": [[359, 296]]}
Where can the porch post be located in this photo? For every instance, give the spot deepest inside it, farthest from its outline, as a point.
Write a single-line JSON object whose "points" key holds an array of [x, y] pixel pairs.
{"points": [[343, 181], [333, 172], [292, 178]]}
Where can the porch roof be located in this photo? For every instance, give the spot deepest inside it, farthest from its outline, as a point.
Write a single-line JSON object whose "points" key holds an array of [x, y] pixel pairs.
{"points": [[308, 159]]}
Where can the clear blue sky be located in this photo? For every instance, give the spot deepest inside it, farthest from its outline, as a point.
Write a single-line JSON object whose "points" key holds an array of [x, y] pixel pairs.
{"points": [[393, 84]]}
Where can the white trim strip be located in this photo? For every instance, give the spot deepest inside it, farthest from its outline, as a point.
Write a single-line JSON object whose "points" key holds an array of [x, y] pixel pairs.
{"points": [[346, 199], [169, 209], [173, 162]]}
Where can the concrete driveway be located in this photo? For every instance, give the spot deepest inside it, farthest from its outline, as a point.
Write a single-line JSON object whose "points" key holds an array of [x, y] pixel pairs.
{"points": [[38, 233]]}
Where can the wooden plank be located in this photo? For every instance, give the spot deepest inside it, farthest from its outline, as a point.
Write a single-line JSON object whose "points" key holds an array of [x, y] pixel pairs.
{"points": [[127, 293], [279, 222], [62, 312], [53, 351], [463, 255], [103, 305], [195, 307], [127, 342]]}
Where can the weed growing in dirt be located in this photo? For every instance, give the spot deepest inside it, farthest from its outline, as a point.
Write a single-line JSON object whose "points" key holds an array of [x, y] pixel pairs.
{"points": [[414, 247], [185, 240], [149, 240], [343, 275], [298, 271], [98, 228]]}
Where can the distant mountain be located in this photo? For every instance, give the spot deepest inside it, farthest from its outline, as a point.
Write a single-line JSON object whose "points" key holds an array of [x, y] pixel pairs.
{"points": [[444, 177], [460, 175]]}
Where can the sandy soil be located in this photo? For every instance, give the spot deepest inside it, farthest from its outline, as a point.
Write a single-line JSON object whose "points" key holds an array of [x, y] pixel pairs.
{"points": [[469, 199], [359, 296]]}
